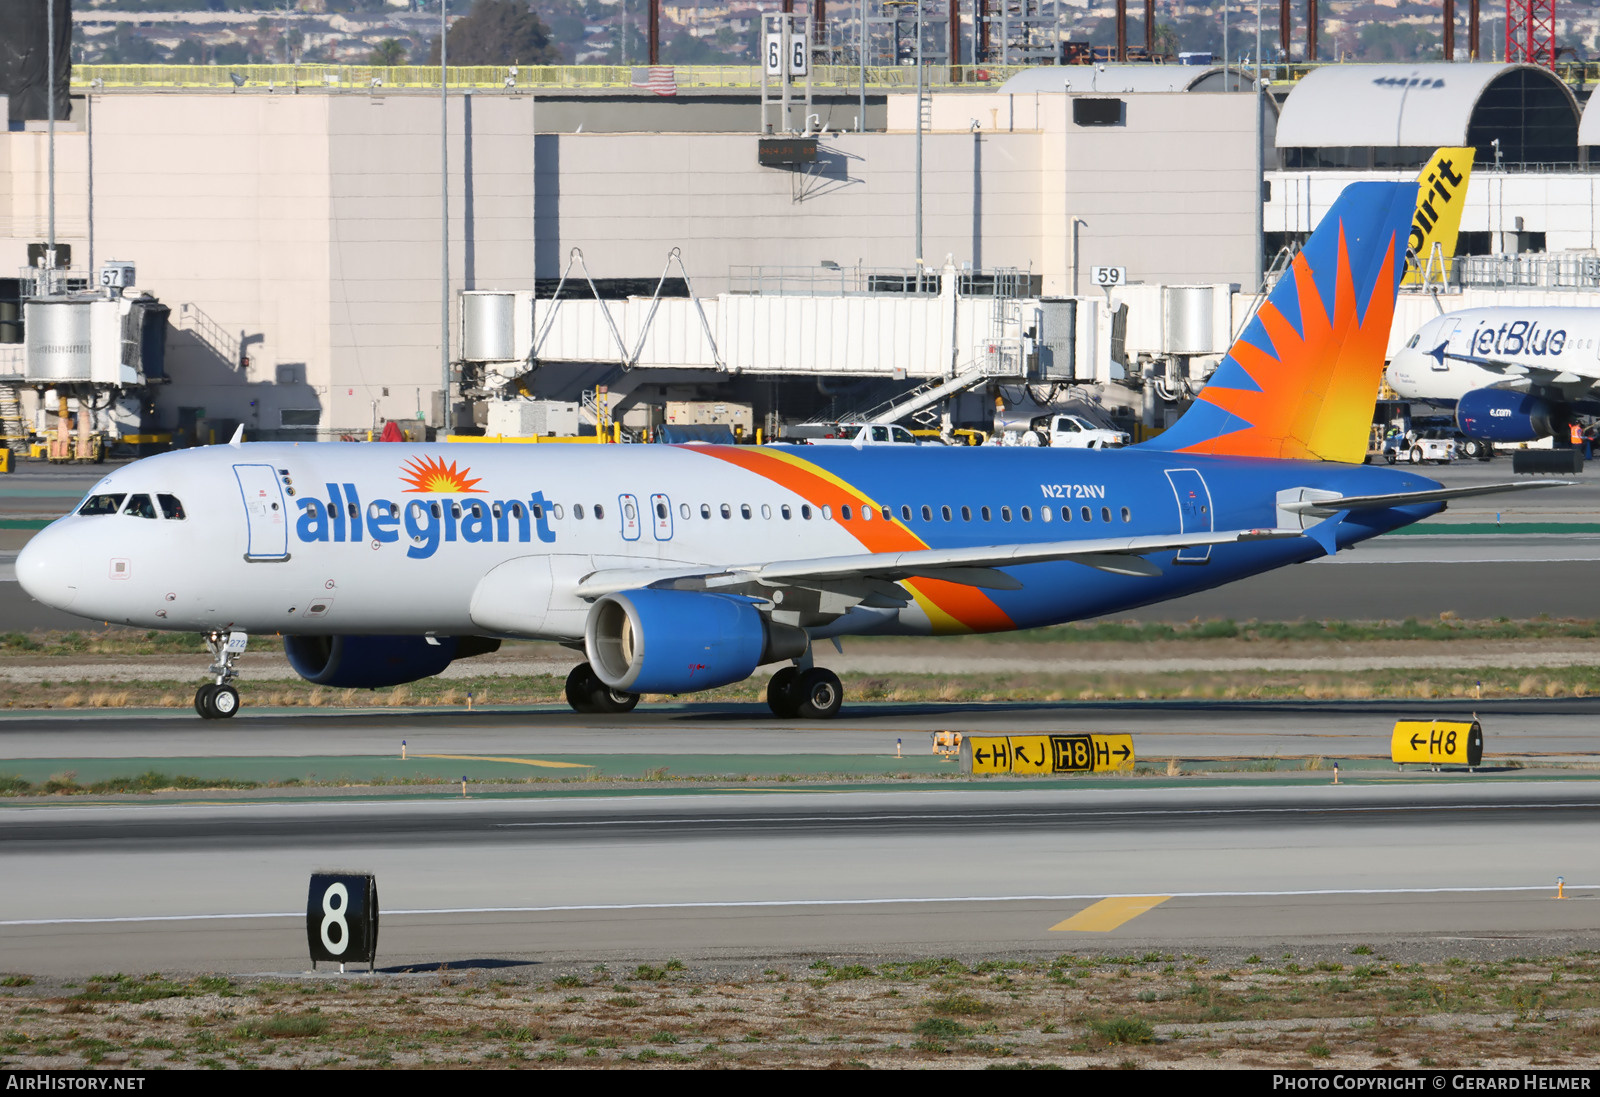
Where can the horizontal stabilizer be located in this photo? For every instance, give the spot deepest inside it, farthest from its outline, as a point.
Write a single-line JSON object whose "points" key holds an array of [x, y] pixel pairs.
{"points": [[1410, 498]]}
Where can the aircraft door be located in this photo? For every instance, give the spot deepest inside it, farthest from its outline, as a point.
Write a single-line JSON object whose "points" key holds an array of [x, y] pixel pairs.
{"points": [[1447, 336], [1194, 512], [661, 507], [629, 506], [264, 511]]}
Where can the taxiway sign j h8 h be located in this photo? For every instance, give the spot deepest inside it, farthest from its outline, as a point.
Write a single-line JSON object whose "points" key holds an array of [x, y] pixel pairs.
{"points": [[684, 568]]}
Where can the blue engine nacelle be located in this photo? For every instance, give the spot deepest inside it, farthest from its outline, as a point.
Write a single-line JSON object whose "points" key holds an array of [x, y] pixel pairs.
{"points": [[369, 662], [680, 641], [1503, 415]]}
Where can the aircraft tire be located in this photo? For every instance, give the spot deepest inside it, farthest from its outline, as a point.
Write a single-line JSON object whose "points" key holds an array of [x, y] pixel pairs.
{"points": [[202, 701], [820, 694], [782, 692], [582, 685], [224, 702], [614, 701]]}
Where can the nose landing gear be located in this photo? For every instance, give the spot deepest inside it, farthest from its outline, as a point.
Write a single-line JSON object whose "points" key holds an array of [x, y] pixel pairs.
{"points": [[218, 700]]}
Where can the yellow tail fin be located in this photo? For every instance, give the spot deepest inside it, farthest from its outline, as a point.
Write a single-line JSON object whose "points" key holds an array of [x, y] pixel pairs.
{"points": [[1441, 193]]}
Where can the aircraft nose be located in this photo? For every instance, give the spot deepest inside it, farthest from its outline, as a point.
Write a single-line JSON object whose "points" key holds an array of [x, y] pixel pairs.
{"points": [[46, 568]]}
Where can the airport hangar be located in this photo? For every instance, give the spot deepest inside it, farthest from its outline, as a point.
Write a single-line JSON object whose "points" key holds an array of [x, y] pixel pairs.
{"points": [[292, 225]]}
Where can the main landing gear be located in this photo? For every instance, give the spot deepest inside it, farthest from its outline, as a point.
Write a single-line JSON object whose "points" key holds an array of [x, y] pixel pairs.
{"points": [[586, 693], [810, 694], [813, 693], [219, 700]]}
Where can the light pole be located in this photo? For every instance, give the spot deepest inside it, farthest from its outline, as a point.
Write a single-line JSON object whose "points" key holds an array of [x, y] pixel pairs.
{"points": [[1077, 222], [444, 224]]}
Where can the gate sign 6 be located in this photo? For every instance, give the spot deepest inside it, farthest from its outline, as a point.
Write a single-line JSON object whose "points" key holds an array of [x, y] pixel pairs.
{"points": [[342, 917]]}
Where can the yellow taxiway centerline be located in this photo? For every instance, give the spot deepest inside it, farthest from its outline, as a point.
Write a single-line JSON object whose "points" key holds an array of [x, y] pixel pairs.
{"points": [[1108, 914], [513, 761]]}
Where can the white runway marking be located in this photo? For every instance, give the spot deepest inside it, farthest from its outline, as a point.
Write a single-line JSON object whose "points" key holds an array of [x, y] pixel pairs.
{"points": [[758, 903]]}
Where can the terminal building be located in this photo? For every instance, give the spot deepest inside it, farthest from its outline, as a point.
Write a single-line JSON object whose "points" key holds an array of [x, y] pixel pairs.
{"points": [[1086, 232]]}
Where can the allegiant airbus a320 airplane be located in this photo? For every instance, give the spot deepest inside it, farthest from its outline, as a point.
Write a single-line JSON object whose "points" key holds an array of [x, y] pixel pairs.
{"points": [[683, 568]]}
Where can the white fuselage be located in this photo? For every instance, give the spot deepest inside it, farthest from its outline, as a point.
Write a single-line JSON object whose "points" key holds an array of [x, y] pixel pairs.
{"points": [[1556, 342]]}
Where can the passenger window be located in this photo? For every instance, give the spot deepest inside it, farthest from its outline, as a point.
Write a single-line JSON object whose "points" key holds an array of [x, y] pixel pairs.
{"points": [[927, 513], [1066, 514], [705, 510], [905, 513], [555, 511], [727, 511], [171, 508], [333, 513], [1044, 514], [494, 510], [784, 510], [1105, 514], [102, 504], [744, 511], [1027, 515], [805, 512], [827, 512], [1005, 514], [661, 510], [985, 513], [966, 514], [866, 514], [1127, 515], [888, 515], [683, 510], [628, 512], [577, 510], [599, 511], [766, 512], [438, 511], [140, 506], [1088, 515], [844, 512], [944, 512]]}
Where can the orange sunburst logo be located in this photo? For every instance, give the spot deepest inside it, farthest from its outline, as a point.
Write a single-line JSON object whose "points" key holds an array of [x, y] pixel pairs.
{"points": [[433, 476]]}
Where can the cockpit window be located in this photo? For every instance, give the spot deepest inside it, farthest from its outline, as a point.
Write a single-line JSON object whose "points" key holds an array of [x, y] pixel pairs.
{"points": [[1415, 339], [103, 504], [140, 506], [171, 508]]}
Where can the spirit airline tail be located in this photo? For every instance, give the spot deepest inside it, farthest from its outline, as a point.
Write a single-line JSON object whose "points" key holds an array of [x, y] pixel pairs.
{"points": [[1301, 381]]}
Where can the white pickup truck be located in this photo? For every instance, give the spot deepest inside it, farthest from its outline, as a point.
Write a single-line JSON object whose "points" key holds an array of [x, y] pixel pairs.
{"points": [[857, 434], [1075, 432]]}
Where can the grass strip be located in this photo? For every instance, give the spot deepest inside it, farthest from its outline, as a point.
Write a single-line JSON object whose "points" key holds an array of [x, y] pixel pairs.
{"points": [[1505, 1005]]}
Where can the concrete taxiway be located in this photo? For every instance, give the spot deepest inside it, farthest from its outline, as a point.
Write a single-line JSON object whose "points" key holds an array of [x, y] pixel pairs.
{"points": [[1538, 728], [203, 888]]}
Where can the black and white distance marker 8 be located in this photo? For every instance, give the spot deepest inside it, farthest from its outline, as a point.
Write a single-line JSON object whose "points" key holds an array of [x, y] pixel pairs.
{"points": [[342, 918]]}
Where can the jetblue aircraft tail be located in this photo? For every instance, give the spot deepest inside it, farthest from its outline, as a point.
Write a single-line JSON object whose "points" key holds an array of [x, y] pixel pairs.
{"points": [[1301, 381]]}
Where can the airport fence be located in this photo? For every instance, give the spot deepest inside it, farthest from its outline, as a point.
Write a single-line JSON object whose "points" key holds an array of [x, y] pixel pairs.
{"points": [[509, 77]]}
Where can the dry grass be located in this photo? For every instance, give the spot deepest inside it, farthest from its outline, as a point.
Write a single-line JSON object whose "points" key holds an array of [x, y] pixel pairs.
{"points": [[1356, 1010]]}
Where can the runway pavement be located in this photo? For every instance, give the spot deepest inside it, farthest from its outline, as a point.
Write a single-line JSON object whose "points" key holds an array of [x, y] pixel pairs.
{"points": [[197, 888]]}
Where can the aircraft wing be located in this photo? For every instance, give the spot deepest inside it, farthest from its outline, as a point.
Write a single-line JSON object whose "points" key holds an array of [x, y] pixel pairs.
{"points": [[1407, 498], [1520, 375], [974, 566]]}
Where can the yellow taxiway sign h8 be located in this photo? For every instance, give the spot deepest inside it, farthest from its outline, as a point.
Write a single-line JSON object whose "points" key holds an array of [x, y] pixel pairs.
{"points": [[1437, 742], [1032, 754]]}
